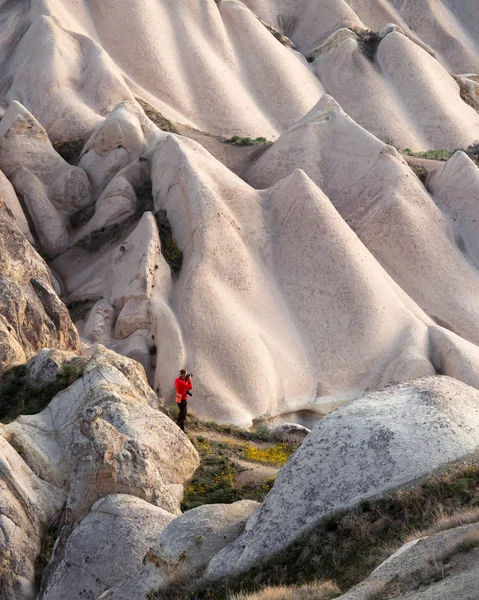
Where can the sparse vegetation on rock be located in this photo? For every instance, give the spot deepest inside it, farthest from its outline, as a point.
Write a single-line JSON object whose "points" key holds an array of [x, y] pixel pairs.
{"points": [[19, 396], [247, 141]]}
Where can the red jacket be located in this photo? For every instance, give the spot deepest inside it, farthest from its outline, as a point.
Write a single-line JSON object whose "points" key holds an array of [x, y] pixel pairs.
{"points": [[182, 386]]}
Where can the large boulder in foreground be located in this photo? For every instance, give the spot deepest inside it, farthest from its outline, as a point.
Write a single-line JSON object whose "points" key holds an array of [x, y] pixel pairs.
{"points": [[31, 314], [109, 543], [184, 548], [383, 441]]}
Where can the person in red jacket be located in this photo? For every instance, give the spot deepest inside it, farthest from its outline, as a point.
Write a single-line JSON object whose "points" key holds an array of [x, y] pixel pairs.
{"points": [[183, 385]]}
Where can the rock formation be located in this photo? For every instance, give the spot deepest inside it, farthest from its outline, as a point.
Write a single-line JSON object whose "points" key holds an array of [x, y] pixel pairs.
{"points": [[31, 314], [381, 442], [279, 195], [100, 438]]}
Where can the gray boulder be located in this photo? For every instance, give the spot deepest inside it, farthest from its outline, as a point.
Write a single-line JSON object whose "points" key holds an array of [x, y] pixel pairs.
{"points": [[109, 543], [383, 441], [185, 547]]}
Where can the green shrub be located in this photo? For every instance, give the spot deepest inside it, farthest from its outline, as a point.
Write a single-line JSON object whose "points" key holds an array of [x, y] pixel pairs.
{"points": [[156, 117], [20, 397], [70, 150], [247, 141], [79, 309], [368, 42], [169, 248]]}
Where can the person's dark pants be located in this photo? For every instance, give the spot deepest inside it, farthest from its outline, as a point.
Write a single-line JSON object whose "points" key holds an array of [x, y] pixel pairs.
{"points": [[182, 414]]}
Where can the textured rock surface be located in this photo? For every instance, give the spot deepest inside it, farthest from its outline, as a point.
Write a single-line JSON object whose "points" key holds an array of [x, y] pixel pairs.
{"points": [[412, 572], [103, 435], [49, 187], [106, 547], [185, 547], [375, 444], [101, 442], [27, 507], [31, 314]]}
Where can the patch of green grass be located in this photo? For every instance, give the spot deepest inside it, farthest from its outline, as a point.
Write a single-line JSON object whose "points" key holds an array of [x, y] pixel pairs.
{"points": [[214, 481], [169, 248], [472, 151], [20, 397], [247, 141], [346, 547], [431, 154], [158, 119], [70, 150]]}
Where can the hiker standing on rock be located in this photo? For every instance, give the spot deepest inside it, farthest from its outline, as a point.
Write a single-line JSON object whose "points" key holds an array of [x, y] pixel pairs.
{"points": [[183, 386]]}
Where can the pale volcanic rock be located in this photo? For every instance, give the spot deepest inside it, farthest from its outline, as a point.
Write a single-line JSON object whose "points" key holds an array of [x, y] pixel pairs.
{"points": [[387, 207], [51, 188], [83, 82], [48, 365], [455, 190], [122, 138], [27, 507], [431, 94], [108, 545], [102, 436], [185, 547], [7, 194], [31, 314], [383, 441], [131, 269], [248, 260]]}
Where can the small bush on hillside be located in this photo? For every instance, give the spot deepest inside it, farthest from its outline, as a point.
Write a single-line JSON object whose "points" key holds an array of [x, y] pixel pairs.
{"points": [[169, 248], [247, 141], [368, 42], [20, 397], [70, 150], [158, 119], [473, 152], [79, 309]]}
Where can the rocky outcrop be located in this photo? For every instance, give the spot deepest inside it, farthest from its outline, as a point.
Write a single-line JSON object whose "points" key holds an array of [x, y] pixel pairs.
{"points": [[102, 436], [28, 505], [49, 187], [31, 314], [443, 565], [381, 442], [104, 455], [184, 548], [106, 547], [124, 136], [382, 201]]}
